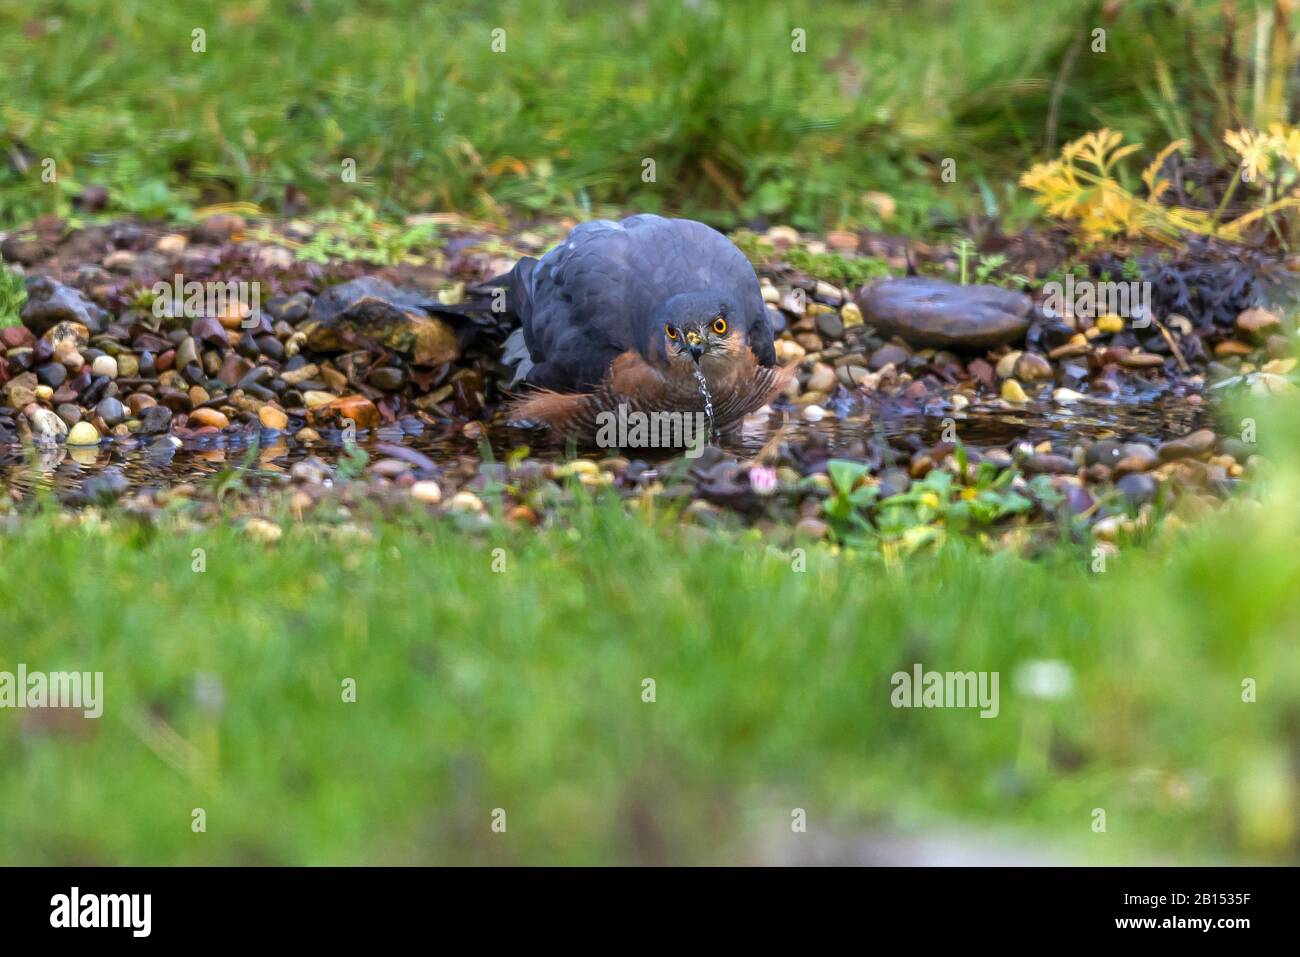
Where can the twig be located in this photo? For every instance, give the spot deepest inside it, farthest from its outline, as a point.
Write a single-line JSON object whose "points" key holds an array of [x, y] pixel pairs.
{"points": [[1173, 346]]}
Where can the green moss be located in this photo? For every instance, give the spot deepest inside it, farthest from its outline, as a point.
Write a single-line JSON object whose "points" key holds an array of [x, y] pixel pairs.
{"points": [[836, 268]]}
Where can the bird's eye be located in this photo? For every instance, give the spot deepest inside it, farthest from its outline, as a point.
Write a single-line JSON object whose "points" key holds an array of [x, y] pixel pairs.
{"points": [[720, 326], [672, 333]]}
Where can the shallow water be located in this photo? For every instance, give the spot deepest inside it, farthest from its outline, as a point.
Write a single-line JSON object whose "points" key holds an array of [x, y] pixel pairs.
{"points": [[1133, 417]]}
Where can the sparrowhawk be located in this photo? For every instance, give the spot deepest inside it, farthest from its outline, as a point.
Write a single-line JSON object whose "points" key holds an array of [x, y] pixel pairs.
{"points": [[648, 313]]}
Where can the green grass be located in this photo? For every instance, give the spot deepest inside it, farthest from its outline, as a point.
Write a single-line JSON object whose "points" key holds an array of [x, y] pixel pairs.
{"points": [[521, 689], [738, 124], [13, 294]]}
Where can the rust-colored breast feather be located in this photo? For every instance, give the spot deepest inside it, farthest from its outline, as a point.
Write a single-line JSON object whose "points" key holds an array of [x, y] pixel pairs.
{"points": [[743, 388]]}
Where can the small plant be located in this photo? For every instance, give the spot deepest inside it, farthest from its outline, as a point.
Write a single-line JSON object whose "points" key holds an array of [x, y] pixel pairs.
{"points": [[987, 269], [931, 504], [352, 463], [1270, 162], [852, 495], [964, 249], [13, 293], [142, 299], [1083, 187]]}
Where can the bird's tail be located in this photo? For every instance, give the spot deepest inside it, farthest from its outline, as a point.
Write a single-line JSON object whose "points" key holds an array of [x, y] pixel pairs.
{"points": [[517, 284]]}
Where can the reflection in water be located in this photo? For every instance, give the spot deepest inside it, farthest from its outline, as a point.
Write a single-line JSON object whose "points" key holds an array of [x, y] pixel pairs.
{"points": [[1149, 418]]}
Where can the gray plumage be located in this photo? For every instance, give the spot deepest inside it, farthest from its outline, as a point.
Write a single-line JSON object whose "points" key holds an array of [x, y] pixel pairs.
{"points": [[612, 286], [515, 355]]}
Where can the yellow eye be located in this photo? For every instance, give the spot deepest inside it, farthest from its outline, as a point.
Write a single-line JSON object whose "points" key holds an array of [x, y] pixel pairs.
{"points": [[720, 326], [672, 333]]}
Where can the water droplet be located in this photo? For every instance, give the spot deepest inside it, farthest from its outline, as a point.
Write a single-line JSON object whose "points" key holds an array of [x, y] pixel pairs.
{"points": [[708, 400]]}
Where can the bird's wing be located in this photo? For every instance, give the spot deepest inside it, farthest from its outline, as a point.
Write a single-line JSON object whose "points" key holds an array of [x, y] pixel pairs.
{"points": [[588, 297]]}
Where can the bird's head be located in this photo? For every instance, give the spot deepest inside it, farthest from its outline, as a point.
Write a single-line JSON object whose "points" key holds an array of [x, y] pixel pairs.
{"points": [[701, 329]]}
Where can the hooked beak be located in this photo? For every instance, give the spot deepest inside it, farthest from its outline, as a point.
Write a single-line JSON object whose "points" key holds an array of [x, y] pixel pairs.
{"points": [[695, 345]]}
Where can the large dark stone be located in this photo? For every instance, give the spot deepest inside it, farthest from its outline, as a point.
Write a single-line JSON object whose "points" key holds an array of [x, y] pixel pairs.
{"points": [[931, 312], [369, 312], [50, 302]]}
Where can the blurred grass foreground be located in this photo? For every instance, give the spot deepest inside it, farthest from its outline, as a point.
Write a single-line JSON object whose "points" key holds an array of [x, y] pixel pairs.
{"points": [[629, 692]]}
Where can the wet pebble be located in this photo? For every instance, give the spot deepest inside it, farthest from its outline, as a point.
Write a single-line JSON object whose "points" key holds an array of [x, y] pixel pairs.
{"points": [[1141, 360], [208, 417], [1138, 488], [1049, 464], [428, 492], [155, 419], [1258, 322], [1031, 367], [310, 471], [187, 353], [888, 354], [387, 378], [273, 418], [822, 378], [105, 366], [1195, 445], [1013, 392], [465, 502], [1067, 396], [1136, 457], [830, 325], [52, 374], [1105, 452], [46, 424], [83, 433], [111, 411]]}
